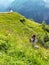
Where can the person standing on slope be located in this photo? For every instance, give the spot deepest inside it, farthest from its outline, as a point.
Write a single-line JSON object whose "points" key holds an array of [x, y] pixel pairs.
{"points": [[33, 39]]}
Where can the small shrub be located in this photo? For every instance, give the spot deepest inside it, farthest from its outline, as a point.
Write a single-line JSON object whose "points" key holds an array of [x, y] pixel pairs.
{"points": [[47, 28], [47, 44], [43, 25], [41, 41], [22, 20], [44, 41], [4, 45], [21, 54], [46, 38]]}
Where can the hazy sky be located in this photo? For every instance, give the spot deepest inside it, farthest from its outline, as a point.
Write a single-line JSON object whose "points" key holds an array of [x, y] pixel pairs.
{"points": [[5, 2], [8, 2], [46, 1]]}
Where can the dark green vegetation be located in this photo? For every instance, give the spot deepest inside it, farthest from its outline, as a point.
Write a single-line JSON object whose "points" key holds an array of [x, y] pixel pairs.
{"points": [[15, 46]]}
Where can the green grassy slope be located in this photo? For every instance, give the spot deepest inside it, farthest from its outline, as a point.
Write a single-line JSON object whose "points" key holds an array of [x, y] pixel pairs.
{"points": [[15, 47]]}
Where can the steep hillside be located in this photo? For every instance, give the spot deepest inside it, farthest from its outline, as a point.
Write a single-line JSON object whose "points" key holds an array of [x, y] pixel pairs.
{"points": [[15, 46]]}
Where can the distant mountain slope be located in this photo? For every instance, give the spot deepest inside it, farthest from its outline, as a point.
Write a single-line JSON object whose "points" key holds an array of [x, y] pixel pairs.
{"points": [[33, 9], [37, 10], [15, 46]]}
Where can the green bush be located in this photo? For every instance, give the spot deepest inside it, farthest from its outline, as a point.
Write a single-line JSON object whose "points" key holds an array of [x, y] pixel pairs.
{"points": [[47, 44], [44, 41], [4, 45], [40, 40], [22, 20], [46, 38], [45, 27]]}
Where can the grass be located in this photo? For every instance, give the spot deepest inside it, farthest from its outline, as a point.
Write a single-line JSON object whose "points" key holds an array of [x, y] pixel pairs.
{"points": [[15, 47]]}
